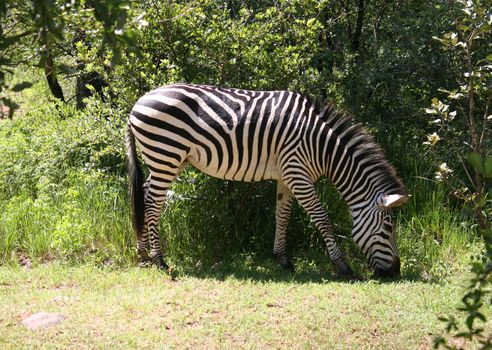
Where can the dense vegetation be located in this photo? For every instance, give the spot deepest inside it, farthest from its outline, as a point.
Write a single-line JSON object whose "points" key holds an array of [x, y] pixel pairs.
{"points": [[62, 167]]}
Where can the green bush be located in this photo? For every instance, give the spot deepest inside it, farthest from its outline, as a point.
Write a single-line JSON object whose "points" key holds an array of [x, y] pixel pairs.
{"points": [[63, 195], [63, 185], [62, 170]]}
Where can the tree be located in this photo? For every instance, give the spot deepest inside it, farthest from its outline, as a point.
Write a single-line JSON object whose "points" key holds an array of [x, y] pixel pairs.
{"points": [[463, 121], [43, 29]]}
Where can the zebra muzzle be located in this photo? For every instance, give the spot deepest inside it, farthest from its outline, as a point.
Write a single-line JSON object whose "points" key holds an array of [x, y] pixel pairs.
{"points": [[392, 271]]}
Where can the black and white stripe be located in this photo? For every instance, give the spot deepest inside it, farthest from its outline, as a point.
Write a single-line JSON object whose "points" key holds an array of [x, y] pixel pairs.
{"points": [[260, 135]]}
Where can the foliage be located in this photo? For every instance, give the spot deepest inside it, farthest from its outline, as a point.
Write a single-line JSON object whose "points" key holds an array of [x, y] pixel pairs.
{"points": [[63, 196], [374, 58], [464, 115], [463, 121], [45, 31], [353, 52], [62, 186], [478, 297]]}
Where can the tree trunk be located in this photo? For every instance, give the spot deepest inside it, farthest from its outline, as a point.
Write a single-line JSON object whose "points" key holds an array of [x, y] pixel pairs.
{"points": [[50, 74], [358, 26], [47, 61]]}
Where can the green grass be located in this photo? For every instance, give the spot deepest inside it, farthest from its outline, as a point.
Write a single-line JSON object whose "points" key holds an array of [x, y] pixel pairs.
{"points": [[256, 307], [63, 198]]}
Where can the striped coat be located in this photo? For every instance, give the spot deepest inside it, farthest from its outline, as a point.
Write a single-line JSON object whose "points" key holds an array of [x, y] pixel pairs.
{"points": [[263, 135]]}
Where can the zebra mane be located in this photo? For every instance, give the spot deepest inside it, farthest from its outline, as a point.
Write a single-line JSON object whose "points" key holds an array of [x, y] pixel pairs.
{"points": [[342, 123]]}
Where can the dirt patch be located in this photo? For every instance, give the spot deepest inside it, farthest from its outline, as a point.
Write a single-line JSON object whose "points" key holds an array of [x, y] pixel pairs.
{"points": [[4, 111]]}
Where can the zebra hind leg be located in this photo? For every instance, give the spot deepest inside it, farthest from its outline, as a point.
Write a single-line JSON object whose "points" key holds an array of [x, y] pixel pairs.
{"points": [[282, 215], [154, 203], [143, 246]]}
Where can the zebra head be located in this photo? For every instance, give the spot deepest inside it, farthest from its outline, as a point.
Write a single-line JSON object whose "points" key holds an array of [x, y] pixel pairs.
{"points": [[373, 233]]}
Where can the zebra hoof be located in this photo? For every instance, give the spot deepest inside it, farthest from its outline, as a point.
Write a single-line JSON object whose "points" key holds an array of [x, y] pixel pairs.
{"points": [[288, 266], [285, 263], [144, 261], [160, 264], [347, 274], [350, 278]]}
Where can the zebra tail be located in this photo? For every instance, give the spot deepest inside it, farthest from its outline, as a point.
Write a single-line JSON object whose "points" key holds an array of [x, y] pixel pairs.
{"points": [[135, 184]]}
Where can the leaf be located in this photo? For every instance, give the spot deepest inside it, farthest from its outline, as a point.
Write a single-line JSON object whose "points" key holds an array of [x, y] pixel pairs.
{"points": [[437, 38], [487, 235], [310, 22], [66, 69], [130, 37], [21, 86], [455, 95], [454, 39], [476, 161], [463, 27], [488, 167], [430, 111]]}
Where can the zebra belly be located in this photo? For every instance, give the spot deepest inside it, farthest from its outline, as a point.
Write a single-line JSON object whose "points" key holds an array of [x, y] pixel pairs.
{"points": [[263, 169]]}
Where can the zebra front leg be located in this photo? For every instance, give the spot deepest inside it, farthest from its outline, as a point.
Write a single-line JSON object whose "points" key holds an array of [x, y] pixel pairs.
{"points": [[282, 215], [305, 193]]}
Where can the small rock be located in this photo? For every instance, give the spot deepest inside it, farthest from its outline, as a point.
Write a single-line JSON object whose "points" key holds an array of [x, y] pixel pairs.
{"points": [[4, 111], [42, 320], [25, 261]]}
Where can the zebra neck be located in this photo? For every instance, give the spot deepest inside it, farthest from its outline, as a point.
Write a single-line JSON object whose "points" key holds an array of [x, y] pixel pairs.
{"points": [[356, 174]]}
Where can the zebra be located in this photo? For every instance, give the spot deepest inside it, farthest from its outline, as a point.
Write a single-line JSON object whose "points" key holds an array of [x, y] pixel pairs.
{"points": [[250, 136]]}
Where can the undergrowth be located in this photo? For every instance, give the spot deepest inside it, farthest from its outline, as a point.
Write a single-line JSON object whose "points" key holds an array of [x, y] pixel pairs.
{"points": [[63, 196]]}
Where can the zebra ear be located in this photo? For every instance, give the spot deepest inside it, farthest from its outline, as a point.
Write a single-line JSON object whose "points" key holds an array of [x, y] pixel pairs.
{"points": [[388, 201]]}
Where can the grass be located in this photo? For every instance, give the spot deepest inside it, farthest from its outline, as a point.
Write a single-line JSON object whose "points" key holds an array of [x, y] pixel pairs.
{"points": [[254, 308], [63, 198]]}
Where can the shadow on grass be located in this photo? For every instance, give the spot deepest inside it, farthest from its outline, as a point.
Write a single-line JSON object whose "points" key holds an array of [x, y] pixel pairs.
{"points": [[259, 274], [270, 271]]}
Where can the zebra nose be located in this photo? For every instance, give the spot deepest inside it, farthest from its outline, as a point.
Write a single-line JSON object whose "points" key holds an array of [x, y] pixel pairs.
{"points": [[392, 271], [395, 266]]}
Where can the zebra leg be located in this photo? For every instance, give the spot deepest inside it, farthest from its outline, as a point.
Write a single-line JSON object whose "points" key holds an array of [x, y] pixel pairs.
{"points": [[305, 193], [158, 185], [154, 203], [143, 245], [282, 215]]}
